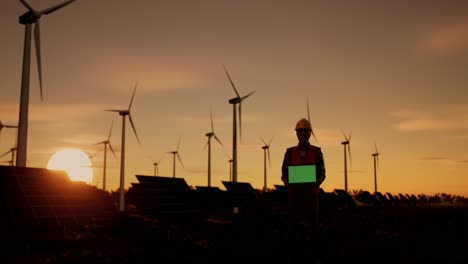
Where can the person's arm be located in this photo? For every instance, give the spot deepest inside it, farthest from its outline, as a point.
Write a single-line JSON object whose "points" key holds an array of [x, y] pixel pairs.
{"points": [[321, 167], [284, 167]]}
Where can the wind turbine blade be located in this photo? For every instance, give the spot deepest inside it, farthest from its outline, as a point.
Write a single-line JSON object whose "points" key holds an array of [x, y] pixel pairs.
{"points": [[206, 144], [308, 112], [217, 139], [269, 143], [178, 144], [112, 150], [180, 159], [230, 80], [113, 110], [344, 135], [110, 130], [27, 5], [242, 98], [37, 41], [133, 95], [133, 126], [313, 134], [349, 137], [375, 145], [53, 8], [211, 118], [263, 141], [4, 154]]}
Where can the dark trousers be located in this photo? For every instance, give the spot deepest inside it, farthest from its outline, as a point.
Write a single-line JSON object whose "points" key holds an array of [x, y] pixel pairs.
{"points": [[303, 223]]}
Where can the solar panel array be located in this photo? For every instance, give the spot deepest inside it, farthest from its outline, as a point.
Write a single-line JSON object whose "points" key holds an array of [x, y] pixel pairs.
{"points": [[39, 199]]}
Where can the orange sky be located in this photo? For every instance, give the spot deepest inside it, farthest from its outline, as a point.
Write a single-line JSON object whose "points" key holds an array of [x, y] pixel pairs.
{"points": [[390, 72]]}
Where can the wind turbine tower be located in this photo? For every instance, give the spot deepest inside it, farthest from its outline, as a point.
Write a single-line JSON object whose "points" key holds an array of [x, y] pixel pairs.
{"points": [[125, 113], [32, 16], [376, 165], [236, 101], [208, 143], [106, 143], [266, 151], [174, 154], [346, 145]]}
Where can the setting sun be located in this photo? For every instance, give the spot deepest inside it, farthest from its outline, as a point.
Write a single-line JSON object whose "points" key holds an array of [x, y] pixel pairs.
{"points": [[75, 162]]}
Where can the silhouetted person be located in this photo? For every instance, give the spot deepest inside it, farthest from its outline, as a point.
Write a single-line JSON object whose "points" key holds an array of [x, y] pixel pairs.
{"points": [[303, 203]]}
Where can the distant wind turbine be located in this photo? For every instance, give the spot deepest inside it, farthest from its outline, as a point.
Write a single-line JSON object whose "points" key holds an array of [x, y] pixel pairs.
{"points": [[266, 150], [12, 151], [175, 153], [155, 164], [6, 126], [208, 143], [125, 113], [376, 165], [31, 17], [230, 166], [234, 101], [346, 145], [106, 143], [308, 118]]}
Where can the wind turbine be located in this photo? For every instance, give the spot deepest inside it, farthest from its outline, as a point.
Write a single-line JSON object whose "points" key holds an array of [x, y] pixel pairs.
{"points": [[266, 150], [12, 151], [155, 164], [175, 153], [6, 126], [346, 145], [376, 165], [27, 19], [234, 101], [208, 143], [308, 118], [125, 113], [106, 143]]}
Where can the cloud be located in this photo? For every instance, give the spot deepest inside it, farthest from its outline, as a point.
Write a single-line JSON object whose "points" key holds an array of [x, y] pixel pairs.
{"points": [[443, 119], [447, 39], [445, 160], [63, 111]]}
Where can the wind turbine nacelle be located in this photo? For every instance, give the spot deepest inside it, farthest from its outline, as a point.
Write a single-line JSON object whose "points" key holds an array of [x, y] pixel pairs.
{"points": [[235, 100], [28, 18]]}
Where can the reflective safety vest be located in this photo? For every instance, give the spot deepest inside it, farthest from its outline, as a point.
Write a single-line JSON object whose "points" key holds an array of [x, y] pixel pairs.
{"points": [[310, 157]]}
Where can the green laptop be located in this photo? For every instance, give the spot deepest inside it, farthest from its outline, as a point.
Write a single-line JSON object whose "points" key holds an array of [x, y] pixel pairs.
{"points": [[302, 174]]}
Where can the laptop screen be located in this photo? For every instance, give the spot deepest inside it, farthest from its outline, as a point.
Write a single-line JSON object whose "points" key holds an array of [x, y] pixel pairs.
{"points": [[302, 174]]}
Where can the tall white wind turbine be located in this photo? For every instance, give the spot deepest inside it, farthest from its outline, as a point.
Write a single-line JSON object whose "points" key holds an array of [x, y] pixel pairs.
{"points": [[375, 155], [27, 19], [174, 154], [125, 113], [208, 143], [236, 101], [106, 143], [266, 150], [347, 147]]}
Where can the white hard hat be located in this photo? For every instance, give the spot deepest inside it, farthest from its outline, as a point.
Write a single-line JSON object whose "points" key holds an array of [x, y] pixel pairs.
{"points": [[303, 124]]}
